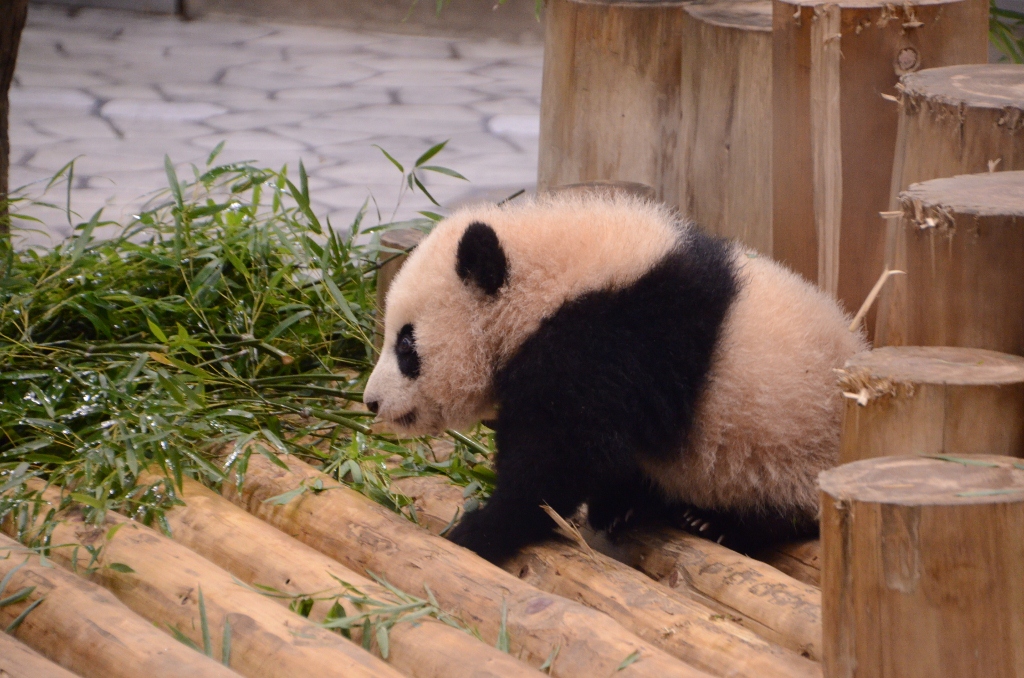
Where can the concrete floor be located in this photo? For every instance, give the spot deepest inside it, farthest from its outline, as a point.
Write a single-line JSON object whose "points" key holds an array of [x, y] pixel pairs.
{"points": [[119, 90]]}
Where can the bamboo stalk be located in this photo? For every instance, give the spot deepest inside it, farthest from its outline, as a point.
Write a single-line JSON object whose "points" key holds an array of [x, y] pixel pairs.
{"points": [[21, 661], [164, 587], [84, 628], [679, 621], [257, 553], [363, 535]]}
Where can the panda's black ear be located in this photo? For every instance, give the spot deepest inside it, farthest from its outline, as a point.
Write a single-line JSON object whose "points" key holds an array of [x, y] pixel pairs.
{"points": [[480, 259]]}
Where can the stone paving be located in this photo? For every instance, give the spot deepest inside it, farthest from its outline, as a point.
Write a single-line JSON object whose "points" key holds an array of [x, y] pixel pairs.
{"points": [[119, 90]]}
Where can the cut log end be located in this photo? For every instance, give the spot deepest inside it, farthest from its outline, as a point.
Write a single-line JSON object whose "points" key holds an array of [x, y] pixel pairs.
{"points": [[995, 86]]}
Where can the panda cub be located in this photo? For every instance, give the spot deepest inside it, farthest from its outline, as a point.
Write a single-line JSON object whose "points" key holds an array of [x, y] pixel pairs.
{"points": [[632, 362]]}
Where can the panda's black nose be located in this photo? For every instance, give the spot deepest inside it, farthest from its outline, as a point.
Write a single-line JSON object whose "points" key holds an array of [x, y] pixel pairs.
{"points": [[372, 405]]}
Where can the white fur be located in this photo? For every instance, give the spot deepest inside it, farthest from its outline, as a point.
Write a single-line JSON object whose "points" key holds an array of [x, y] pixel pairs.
{"points": [[769, 420]]}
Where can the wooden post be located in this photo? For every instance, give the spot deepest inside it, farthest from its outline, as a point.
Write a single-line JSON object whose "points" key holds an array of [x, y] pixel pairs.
{"points": [[924, 568], [833, 132], [610, 93], [398, 243], [953, 120], [932, 400], [963, 252], [13, 14], [726, 119], [609, 188]]}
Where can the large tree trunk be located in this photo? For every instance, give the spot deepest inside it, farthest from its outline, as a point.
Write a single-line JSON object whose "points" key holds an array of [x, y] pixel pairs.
{"points": [[12, 21]]}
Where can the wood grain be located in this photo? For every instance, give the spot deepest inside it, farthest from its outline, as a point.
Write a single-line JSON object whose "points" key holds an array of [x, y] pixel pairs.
{"points": [[725, 141], [267, 640], [801, 560], [924, 568], [953, 120], [610, 100], [363, 535], [878, 42], [258, 554], [87, 630]]}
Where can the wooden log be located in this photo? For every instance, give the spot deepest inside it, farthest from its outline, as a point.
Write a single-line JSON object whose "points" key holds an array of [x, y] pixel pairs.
{"points": [[773, 605], [726, 119], [258, 554], [609, 97], [922, 573], [85, 629], [801, 560], [833, 132], [708, 581], [363, 535], [21, 661], [403, 239], [953, 120], [163, 586], [932, 400], [961, 243]]}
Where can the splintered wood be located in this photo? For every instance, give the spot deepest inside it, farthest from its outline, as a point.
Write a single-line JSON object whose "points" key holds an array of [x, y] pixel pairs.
{"points": [[610, 98], [962, 240], [834, 133], [932, 400], [726, 119], [924, 568]]}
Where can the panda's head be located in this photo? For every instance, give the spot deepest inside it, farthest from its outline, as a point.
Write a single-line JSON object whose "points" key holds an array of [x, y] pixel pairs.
{"points": [[481, 284], [435, 367]]}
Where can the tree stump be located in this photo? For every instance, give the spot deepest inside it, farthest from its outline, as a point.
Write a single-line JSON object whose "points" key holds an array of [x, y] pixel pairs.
{"points": [[833, 132], [726, 119], [610, 93], [922, 572], [953, 120], [13, 14], [608, 188], [963, 251], [932, 400]]}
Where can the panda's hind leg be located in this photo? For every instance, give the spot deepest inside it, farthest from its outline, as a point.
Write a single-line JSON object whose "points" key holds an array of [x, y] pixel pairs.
{"points": [[744, 532], [631, 500]]}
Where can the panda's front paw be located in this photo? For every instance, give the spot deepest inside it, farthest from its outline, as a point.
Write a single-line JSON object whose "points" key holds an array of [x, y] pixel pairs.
{"points": [[703, 524], [473, 533]]}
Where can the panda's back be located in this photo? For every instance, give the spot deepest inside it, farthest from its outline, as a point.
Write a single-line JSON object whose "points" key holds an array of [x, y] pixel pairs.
{"points": [[768, 421]]}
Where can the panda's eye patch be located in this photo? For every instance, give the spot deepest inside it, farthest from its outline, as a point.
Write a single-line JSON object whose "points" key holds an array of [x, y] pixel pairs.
{"points": [[405, 350]]}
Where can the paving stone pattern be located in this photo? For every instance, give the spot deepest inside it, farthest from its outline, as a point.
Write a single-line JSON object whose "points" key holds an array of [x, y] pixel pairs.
{"points": [[119, 90]]}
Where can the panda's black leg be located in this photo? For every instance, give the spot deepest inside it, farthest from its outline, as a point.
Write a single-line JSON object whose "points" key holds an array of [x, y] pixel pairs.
{"points": [[744, 532], [513, 517], [631, 499]]}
